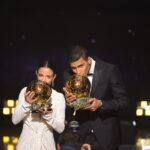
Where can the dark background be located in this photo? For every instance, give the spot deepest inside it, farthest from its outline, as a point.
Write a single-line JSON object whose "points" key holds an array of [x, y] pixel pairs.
{"points": [[116, 31]]}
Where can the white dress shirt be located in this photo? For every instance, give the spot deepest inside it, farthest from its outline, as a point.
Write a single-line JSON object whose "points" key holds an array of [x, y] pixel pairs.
{"points": [[90, 77], [91, 71]]}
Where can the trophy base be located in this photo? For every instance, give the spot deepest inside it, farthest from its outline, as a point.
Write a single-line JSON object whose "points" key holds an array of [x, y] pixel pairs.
{"points": [[80, 103], [35, 107], [35, 111], [43, 106]]}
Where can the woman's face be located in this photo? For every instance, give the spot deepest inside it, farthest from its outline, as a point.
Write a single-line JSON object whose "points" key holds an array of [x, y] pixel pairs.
{"points": [[45, 74]]}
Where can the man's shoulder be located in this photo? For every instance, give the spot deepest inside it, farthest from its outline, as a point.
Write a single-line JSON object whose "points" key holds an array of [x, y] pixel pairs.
{"points": [[104, 64]]}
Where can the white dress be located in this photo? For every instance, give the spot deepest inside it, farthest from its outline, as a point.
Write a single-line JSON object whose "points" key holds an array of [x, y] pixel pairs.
{"points": [[37, 132]]}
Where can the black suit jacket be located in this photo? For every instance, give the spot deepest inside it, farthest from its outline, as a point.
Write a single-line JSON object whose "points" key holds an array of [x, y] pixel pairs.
{"points": [[107, 86]]}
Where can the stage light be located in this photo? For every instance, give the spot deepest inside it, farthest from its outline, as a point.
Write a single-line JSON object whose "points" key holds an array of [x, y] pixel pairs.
{"points": [[143, 104], [138, 142], [15, 140], [9, 142], [147, 111], [6, 111], [139, 112], [9, 106], [6, 139], [143, 108], [10, 103], [10, 147]]}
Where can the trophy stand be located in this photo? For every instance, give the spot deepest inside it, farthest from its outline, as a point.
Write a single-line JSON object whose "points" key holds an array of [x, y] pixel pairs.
{"points": [[37, 106], [80, 103]]}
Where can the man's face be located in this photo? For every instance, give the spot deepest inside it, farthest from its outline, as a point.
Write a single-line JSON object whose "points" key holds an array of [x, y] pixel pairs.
{"points": [[81, 66]]}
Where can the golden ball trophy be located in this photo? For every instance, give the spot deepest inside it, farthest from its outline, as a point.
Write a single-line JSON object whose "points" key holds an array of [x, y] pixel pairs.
{"points": [[42, 95], [80, 87]]}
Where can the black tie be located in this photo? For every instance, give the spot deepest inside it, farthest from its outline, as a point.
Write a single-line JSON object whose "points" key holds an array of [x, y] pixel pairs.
{"points": [[90, 74]]}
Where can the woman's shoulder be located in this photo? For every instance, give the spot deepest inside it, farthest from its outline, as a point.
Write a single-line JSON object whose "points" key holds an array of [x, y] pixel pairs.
{"points": [[23, 89]]}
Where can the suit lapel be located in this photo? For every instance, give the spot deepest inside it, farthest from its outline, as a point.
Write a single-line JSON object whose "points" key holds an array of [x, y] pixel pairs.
{"points": [[96, 77]]}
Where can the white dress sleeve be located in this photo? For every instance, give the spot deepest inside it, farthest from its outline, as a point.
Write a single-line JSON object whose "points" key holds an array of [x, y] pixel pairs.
{"points": [[56, 119], [22, 109]]}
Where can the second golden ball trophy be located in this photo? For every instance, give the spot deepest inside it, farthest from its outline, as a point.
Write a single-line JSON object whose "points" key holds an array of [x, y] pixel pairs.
{"points": [[80, 87]]}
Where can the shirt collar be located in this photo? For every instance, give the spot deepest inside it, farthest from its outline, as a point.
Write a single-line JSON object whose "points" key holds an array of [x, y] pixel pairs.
{"points": [[91, 71]]}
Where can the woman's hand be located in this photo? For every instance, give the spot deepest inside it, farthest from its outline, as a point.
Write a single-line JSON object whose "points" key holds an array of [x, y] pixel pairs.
{"points": [[29, 97]]}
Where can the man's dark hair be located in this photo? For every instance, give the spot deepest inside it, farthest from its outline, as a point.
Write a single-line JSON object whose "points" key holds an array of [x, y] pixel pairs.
{"points": [[76, 52], [69, 138]]}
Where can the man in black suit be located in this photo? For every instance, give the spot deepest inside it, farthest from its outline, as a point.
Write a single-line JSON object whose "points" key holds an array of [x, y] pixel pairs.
{"points": [[99, 125]]}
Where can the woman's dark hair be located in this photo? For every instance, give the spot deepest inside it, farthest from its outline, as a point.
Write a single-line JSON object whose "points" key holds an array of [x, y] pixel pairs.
{"points": [[47, 64], [76, 52]]}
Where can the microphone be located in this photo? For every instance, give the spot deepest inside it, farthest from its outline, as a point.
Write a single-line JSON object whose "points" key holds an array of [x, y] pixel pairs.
{"points": [[74, 126]]}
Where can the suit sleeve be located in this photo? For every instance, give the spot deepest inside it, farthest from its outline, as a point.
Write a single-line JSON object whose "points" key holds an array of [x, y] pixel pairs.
{"points": [[22, 109], [120, 99]]}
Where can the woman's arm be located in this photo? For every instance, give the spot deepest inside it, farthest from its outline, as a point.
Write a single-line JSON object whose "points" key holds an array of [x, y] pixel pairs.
{"points": [[22, 109]]}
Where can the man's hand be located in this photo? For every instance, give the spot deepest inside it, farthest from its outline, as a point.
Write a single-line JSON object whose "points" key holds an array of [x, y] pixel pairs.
{"points": [[70, 97], [94, 104], [86, 147], [29, 97]]}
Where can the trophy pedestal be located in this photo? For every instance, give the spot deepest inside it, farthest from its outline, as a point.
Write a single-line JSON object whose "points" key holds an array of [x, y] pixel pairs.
{"points": [[80, 103], [37, 106]]}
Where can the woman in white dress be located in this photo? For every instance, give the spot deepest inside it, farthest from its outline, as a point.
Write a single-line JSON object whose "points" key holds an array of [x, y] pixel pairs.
{"points": [[37, 132]]}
